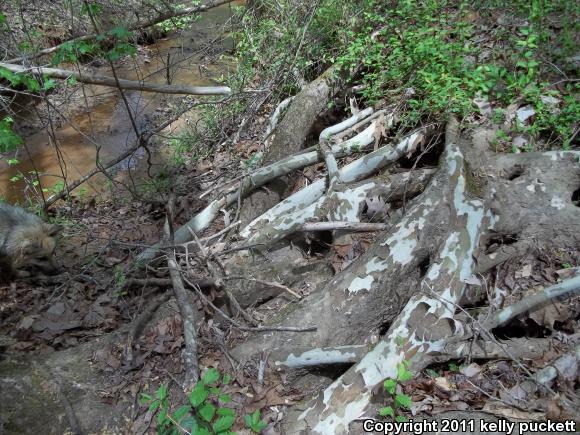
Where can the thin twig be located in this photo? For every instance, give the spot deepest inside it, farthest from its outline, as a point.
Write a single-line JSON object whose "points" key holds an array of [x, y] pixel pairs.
{"points": [[267, 283], [245, 328]]}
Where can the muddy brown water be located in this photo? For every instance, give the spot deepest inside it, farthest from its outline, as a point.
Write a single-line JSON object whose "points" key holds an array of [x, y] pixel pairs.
{"points": [[100, 124]]}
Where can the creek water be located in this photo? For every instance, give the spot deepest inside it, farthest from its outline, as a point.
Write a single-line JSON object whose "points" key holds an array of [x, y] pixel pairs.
{"points": [[98, 124]]}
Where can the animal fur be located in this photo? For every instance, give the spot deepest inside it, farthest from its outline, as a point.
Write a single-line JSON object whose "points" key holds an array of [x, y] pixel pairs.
{"points": [[6, 271], [27, 244]]}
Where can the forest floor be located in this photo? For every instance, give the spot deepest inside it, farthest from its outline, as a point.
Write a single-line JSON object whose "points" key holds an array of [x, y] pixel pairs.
{"points": [[93, 340]]}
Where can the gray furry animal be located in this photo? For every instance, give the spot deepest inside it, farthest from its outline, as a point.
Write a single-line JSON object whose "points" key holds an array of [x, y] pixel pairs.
{"points": [[6, 272], [27, 244]]}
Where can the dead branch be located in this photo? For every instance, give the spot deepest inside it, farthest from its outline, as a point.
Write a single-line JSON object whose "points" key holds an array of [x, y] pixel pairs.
{"points": [[120, 83], [326, 151], [300, 357], [164, 282], [267, 283], [245, 328], [188, 316], [341, 225], [236, 305], [303, 356], [534, 302]]}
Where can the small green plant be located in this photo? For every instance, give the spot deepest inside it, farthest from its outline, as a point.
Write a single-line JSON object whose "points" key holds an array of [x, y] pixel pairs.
{"points": [[433, 373], [396, 399], [159, 183], [254, 422], [188, 146], [177, 23], [204, 414], [253, 161], [120, 276], [453, 367], [8, 139]]}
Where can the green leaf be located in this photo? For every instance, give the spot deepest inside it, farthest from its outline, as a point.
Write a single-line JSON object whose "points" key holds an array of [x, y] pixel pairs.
{"points": [[223, 423], [387, 411], [8, 139], [198, 395], [248, 420], [162, 416], [181, 412], [226, 412], [401, 418], [403, 374], [161, 393], [224, 398], [390, 385], [403, 401], [207, 412], [154, 405], [2, 18], [254, 422], [145, 398], [226, 379], [190, 423], [210, 376], [48, 84]]}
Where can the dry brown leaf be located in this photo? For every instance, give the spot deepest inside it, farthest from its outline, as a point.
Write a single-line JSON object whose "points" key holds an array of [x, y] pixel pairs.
{"points": [[501, 410]]}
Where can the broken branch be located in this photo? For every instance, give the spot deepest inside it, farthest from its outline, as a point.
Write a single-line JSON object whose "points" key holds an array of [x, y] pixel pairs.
{"points": [[534, 302], [120, 83]]}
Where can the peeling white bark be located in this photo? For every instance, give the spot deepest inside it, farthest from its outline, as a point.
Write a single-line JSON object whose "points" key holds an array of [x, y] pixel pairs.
{"points": [[299, 203], [274, 118], [427, 319], [347, 123], [340, 205], [257, 179], [318, 357]]}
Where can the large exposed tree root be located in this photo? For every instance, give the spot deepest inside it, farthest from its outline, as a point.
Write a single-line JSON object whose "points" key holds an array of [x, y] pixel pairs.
{"points": [[405, 290], [414, 276]]}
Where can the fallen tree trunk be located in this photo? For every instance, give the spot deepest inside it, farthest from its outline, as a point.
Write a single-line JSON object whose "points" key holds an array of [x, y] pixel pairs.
{"points": [[166, 16], [290, 134], [122, 83]]}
